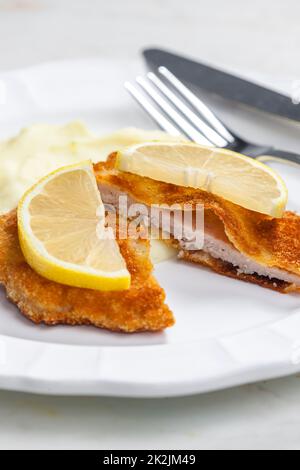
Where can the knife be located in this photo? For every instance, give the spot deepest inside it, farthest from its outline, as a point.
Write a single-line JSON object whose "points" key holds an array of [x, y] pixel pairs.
{"points": [[223, 84]]}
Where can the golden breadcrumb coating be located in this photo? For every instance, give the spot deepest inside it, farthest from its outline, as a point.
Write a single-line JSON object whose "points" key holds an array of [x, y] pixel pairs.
{"points": [[272, 242], [140, 308]]}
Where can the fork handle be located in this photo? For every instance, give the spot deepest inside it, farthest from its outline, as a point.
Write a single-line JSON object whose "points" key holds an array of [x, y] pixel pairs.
{"points": [[280, 156]]}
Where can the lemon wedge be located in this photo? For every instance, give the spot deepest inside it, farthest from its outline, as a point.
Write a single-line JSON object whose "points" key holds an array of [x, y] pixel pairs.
{"points": [[235, 177], [62, 232]]}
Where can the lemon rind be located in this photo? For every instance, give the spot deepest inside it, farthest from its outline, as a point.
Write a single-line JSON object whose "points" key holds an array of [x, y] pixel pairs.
{"points": [[278, 204], [56, 270]]}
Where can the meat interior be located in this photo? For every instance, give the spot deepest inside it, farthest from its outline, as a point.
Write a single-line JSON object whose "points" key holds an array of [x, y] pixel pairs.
{"points": [[214, 241]]}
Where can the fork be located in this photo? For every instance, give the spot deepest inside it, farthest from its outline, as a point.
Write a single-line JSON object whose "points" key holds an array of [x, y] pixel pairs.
{"points": [[178, 111]]}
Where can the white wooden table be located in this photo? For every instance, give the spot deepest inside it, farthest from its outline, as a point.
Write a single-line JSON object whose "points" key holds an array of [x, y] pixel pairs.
{"points": [[261, 36]]}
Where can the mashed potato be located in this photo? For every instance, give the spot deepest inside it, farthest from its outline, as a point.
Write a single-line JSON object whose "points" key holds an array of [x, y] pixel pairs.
{"points": [[42, 148]]}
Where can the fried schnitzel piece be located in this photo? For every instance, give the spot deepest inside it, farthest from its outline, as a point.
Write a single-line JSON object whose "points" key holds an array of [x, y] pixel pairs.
{"points": [[238, 242], [140, 308]]}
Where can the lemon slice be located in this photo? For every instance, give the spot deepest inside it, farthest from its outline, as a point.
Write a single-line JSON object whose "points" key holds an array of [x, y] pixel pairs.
{"points": [[232, 176], [62, 232]]}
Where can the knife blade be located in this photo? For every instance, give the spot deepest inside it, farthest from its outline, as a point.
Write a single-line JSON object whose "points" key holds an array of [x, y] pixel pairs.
{"points": [[221, 83]]}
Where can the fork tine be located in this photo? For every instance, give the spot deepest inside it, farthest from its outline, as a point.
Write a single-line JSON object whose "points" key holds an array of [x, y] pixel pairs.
{"points": [[206, 130], [177, 118], [198, 104], [163, 123]]}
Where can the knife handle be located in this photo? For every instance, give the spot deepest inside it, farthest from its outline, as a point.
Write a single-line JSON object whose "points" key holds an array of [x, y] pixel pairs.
{"points": [[281, 156]]}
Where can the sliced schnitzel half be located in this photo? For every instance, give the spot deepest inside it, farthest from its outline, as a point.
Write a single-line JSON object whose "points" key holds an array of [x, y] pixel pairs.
{"points": [[238, 242], [140, 308]]}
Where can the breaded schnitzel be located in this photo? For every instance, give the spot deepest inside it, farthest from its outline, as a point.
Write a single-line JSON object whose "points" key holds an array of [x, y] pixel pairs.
{"points": [[238, 242], [141, 308]]}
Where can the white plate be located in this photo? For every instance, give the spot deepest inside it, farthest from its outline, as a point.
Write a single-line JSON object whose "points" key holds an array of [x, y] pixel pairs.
{"points": [[227, 332]]}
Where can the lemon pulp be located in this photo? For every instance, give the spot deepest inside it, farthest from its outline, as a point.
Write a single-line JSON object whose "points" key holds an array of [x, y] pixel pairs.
{"points": [[62, 232], [237, 178]]}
